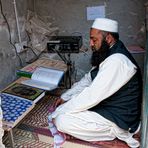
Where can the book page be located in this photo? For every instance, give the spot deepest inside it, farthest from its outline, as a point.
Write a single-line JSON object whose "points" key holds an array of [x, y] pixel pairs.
{"points": [[51, 76], [45, 62], [39, 84]]}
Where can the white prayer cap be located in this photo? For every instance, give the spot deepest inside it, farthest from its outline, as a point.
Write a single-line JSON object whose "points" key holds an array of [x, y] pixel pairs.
{"points": [[105, 24]]}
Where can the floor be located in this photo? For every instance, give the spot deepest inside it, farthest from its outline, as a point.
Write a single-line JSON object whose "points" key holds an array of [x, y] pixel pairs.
{"points": [[33, 132]]}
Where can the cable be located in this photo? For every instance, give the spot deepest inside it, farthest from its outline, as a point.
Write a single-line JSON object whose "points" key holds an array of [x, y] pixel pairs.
{"points": [[31, 50], [10, 39], [59, 54], [67, 61], [36, 56], [76, 33]]}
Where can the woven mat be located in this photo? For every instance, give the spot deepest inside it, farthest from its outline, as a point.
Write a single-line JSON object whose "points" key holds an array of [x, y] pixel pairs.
{"points": [[35, 125], [27, 139]]}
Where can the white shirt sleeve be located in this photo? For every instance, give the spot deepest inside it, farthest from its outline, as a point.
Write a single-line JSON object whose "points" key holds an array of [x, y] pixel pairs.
{"points": [[114, 72], [77, 87]]}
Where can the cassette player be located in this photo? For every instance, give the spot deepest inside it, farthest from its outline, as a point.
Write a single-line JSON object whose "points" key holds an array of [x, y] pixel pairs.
{"points": [[64, 44]]}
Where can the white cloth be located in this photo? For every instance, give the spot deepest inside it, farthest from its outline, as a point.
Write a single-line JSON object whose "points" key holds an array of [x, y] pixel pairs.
{"points": [[1, 128], [59, 138], [90, 126], [114, 72], [105, 24]]}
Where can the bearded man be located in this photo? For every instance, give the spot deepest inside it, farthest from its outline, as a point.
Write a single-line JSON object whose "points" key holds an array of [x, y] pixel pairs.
{"points": [[106, 103]]}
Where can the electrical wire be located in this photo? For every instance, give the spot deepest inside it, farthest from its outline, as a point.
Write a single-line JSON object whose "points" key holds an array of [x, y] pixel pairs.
{"points": [[36, 56], [8, 27]]}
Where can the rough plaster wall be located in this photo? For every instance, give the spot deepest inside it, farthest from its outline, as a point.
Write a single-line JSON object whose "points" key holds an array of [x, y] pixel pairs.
{"points": [[30, 4], [70, 17], [131, 17], [8, 58]]}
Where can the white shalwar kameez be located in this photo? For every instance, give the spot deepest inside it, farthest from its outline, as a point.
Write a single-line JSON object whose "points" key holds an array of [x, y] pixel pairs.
{"points": [[74, 118]]}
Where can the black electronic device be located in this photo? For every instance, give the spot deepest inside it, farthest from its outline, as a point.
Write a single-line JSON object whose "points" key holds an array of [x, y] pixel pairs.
{"points": [[64, 44]]}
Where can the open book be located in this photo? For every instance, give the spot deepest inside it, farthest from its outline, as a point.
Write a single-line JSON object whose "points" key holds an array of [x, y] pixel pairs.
{"points": [[45, 78]]}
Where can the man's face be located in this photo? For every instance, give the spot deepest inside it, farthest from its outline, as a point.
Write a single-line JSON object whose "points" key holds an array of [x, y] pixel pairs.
{"points": [[99, 46], [98, 42]]}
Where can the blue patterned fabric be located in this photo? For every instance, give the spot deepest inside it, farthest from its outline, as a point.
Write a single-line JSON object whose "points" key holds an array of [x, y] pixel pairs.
{"points": [[13, 107]]}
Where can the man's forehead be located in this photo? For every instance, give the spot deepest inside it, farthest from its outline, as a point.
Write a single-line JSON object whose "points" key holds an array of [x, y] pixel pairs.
{"points": [[94, 31]]}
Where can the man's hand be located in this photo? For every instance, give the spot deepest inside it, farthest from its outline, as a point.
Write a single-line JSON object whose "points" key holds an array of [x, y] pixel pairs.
{"points": [[58, 102]]}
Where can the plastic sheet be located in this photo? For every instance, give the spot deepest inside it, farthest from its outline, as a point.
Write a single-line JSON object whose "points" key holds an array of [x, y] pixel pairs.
{"points": [[39, 31]]}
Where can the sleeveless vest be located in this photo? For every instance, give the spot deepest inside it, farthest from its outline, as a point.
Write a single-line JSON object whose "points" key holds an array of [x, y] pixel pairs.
{"points": [[123, 107]]}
